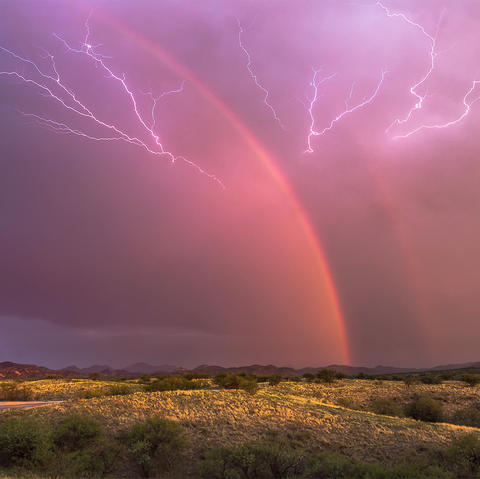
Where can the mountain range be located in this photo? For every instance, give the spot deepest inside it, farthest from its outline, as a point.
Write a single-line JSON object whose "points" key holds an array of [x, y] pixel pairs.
{"points": [[142, 368], [10, 370]]}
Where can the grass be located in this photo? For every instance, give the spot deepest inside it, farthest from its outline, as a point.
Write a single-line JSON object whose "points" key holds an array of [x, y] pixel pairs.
{"points": [[309, 413], [235, 415]]}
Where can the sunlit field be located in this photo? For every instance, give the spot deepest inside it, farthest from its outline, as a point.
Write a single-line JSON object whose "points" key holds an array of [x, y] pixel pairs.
{"points": [[320, 417]]}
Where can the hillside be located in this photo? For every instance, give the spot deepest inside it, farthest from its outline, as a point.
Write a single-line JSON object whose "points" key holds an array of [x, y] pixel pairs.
{"points": [[316, 417]]}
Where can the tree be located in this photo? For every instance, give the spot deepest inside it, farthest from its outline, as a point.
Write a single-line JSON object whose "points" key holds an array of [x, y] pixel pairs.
{"points": [[94, 376]]}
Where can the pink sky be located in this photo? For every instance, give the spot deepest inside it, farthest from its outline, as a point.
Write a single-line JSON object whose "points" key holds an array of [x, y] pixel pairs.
{"points": [[111, 253]]}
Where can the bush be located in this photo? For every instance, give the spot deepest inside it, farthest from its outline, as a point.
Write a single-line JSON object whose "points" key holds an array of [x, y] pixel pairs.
{"points": [[431, 380], [309, 377], [335, 465], [196, 375], [463, 456], [425, 409], [275, 379], [77, 432], [467, 417], [345, 402], [97, 461], [24, 442], [235, 381], [14, 391], [387, 407], [172, 383], [294, 379], [327, 375], [156, 443], [470, 379], [251, 387], [95, 376], [409, 382], [271, 457], [90, 394], [120, 390], [144, 379]]}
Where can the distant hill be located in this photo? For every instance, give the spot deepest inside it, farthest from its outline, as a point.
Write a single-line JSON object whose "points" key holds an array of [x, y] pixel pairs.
{"points": [[457, 366], [145, 368], [96, 368], [254, 369], [10, 370], [354, 370]]}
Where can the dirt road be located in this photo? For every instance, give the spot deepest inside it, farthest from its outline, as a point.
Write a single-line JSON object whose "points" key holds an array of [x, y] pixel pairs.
{"points": [[25, 404]]}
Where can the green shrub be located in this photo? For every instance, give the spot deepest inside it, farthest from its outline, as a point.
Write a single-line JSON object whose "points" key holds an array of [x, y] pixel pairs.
{"points": [[425, 409], [309, 377], [431, 380], [24, 442], [157, 443], [409, 382], [463, 456], [334, 465], [120, 390], [144, 379], [90, 394], [467, 417], [271, 457], [294, 379], [15, 391], [171, 383], [387, 407], [275, 379], [470, 379], [196, 375], [76, 432], [95, 376], [345, 402], [327, 375], [251, 387]]}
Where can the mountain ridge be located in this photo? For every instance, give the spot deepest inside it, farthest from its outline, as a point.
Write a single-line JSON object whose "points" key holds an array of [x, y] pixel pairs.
{"points": [[11, 370]]}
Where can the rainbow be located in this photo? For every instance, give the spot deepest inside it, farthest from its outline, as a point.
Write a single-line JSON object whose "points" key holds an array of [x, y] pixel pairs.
{"points": [[268, 162]]}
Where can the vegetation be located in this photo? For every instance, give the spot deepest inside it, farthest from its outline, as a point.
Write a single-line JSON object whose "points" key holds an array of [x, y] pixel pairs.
{"points": [[425, 409], [15, 391], [155, 444], [215, 428], [387, 407]]}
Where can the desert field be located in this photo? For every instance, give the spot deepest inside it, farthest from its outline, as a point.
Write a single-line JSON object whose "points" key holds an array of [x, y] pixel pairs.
{"points": [[317, 417]]}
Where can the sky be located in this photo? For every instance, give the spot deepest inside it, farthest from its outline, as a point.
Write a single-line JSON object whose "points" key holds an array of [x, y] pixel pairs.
{"points": [[239, 182]]}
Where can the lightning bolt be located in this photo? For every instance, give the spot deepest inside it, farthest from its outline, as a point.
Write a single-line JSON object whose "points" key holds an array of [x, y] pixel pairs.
{"points": [[347, 110], [467, 104], [51, 86], [249, 62], [420, 98], [311, 102]]}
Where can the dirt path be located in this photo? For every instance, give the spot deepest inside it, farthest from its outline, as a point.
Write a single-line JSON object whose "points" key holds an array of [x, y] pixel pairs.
{"points": [[25, 404]]}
